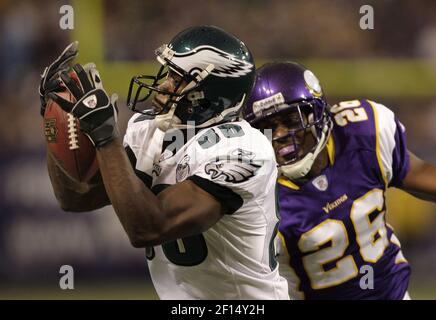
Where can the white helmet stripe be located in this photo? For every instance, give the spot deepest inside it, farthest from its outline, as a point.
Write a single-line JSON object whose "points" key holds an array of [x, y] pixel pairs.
{"points": [[199, 58]]}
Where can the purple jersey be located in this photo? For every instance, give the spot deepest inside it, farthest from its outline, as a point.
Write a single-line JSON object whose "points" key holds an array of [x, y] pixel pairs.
{"points": [[334, 226]]}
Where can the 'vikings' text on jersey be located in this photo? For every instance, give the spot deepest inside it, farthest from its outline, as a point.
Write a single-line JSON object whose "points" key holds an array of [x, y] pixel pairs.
{"points": [[334, 226]]}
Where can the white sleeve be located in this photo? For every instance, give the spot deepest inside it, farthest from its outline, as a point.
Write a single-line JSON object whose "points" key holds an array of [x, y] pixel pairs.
{"points": [[135, 129], [145, 140], [391, 135], [245, 176], [248, 169]]}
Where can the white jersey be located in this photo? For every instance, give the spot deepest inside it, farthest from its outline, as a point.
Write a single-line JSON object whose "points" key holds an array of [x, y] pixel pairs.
{"points": [[235, 258]]}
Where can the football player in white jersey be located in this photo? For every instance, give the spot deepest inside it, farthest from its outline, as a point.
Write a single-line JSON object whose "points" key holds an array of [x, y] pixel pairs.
{"points": [[190, 183]]}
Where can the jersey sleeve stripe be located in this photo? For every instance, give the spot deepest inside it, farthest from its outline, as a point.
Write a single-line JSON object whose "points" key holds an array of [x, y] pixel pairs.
{"points": [[385, 139]]}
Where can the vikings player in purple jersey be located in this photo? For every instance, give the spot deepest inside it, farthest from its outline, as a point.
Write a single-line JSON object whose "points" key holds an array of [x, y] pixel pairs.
{"points": [[335, 166]]}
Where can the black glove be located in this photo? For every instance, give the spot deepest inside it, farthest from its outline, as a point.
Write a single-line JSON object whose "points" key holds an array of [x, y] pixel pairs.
{"points": [[50, 77], [96, 112]]}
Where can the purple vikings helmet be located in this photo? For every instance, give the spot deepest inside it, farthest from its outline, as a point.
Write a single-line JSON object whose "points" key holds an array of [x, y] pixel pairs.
{"points": [[284, 87]]}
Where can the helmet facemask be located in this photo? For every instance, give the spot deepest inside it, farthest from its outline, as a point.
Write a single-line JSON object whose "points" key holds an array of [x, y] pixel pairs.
{"points": [[147, 85], [304, 119], [318, 122]]}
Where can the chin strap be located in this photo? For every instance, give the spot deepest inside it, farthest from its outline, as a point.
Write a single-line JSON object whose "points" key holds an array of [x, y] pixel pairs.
{"points": [[167, 120], [302, 167]]}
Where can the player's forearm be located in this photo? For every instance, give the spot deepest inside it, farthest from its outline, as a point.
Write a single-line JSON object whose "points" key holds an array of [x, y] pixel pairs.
{"points": [[421, 179], [137, 208], [423, 184], [74, 196]]}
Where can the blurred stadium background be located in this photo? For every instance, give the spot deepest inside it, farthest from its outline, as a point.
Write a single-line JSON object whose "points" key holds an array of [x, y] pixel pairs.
{"points": [[394, 64]]}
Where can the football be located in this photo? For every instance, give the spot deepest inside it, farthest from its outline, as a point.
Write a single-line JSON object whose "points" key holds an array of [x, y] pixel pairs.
{"points": [[71, 148]]}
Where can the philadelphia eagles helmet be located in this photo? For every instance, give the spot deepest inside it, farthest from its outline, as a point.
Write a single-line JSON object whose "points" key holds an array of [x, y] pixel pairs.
{"points": [[218, 70]]}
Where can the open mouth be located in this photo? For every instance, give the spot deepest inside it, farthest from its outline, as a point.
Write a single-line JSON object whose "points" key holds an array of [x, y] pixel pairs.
{"points": [[287, 150], [289, 153]]}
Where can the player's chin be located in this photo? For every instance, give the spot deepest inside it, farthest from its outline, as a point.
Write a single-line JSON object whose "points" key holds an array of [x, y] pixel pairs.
{"points": [[283, 161], [156, 107], [290, 158]]}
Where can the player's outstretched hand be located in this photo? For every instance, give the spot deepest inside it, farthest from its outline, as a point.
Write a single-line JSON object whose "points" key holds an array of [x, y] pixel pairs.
{"points": [[50, 77], [95, 110]]}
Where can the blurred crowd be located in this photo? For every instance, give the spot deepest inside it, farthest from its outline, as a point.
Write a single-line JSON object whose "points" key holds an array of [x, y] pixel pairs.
{"points": [[30, 38]]}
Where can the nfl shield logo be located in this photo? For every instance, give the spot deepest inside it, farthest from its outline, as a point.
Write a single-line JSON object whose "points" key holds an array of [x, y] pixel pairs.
{"points": [[183, 169], [321, 183]]}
